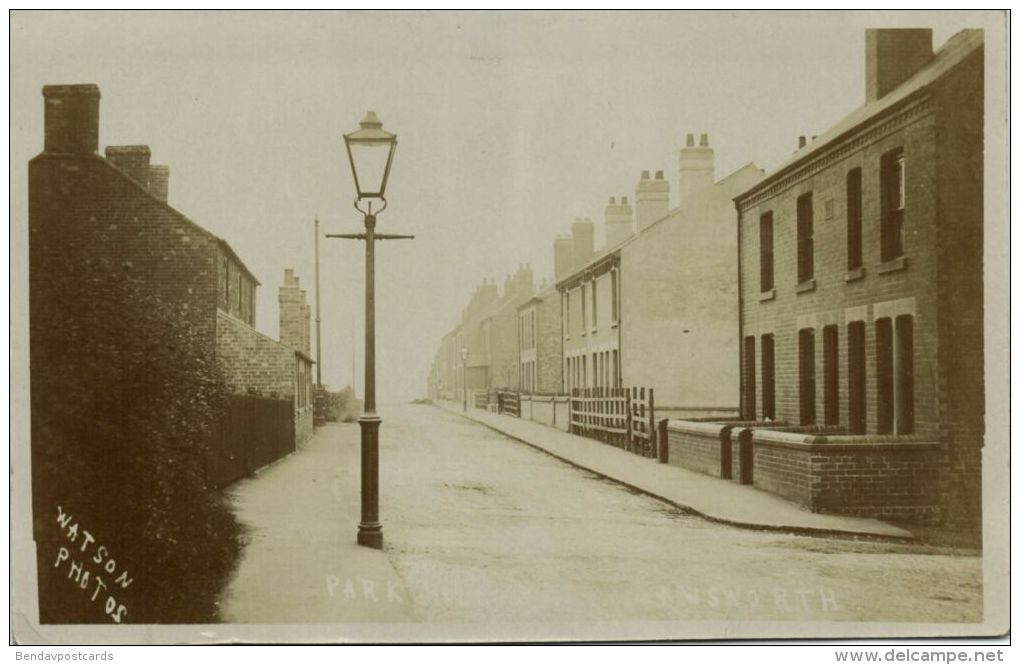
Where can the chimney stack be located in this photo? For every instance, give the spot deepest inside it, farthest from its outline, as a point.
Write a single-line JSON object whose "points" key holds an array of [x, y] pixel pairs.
{"points": [[651, 199], [159, 181], [295, 315], [801, 142], [697, 168], [892, 55], [583, 242], [131, 159], [71, 118], [563, 256], [619, 221]]}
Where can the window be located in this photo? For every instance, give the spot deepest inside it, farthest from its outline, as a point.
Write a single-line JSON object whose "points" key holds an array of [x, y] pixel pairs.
{"points": [[594, 304], [765, 250], [904, 374], [805, 238], [614, 285], [884, 370], [893, 201], [225, 283], [854, 221], [768, 377], [856, 375], [616, 369], [830, 369], [566, 314], [595, 369], [750, 398], [807, 376], [894, 345], [237, 306], [584, 308]]}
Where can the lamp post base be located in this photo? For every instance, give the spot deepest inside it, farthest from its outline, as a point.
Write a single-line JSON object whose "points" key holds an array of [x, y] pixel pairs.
{"points": [[370, 535]]}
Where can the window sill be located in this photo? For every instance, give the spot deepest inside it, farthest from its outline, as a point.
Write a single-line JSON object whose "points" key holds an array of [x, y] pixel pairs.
{"points": [[893, 265], [594, 330], [583, 334], [806, 286], [767, 295], [853, 275], [614, 324]]}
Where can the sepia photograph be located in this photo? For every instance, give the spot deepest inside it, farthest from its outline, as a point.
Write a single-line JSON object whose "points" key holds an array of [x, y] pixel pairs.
{"points": [[433, 327]]}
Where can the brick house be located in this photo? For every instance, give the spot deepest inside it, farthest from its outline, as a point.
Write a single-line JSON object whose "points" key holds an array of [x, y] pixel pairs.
{"points": [[115, 208], [861, 295], [540, 344], [658, 308]]}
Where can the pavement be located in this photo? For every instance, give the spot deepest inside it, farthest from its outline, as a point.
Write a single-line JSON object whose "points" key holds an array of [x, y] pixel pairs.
{"points": [[487, 538], [713, 498]]}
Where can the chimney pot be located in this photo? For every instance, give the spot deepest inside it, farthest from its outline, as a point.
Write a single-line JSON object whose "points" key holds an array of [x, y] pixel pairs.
{"points": [[704, 140], [801, 141], [659, 175], [71, 118], [612, 200], [159, 181], [623, 200], [644, 175], [131, 159], [690, 140]]}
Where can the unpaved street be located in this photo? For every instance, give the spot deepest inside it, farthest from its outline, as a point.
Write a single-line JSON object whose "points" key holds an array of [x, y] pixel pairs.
{"points": [[482, 528]]}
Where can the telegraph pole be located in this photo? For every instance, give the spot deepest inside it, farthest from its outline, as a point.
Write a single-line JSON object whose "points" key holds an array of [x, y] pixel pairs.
{"points": [[318, 320]]}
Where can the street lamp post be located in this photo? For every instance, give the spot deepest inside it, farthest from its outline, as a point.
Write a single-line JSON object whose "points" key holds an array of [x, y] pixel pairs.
{"points": [[370, 150], [463, 362]]}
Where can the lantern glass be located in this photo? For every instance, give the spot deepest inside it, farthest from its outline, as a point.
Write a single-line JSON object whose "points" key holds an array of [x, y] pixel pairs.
{"points": [[370, 150]]}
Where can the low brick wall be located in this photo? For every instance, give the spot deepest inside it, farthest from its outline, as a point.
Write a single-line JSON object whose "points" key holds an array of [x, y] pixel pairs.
{"points": [[696, 445], [889, 477]]}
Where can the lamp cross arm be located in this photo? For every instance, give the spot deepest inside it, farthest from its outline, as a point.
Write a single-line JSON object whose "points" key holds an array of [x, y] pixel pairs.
{"points": [[378, 236]]}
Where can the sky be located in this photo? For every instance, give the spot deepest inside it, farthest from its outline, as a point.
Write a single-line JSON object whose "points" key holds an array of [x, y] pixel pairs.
{"points": [[510, 125]]}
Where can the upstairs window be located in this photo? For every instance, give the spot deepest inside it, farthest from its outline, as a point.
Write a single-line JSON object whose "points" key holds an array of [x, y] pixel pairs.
{"points": [[594, 304], [765, 252], [893, 195], [584, 307], [614, 285], [854, 221], [805, 238]]}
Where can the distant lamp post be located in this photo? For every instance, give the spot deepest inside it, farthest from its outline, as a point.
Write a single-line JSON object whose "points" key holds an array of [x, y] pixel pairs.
{"points": [[370, 150], [463, 362]]}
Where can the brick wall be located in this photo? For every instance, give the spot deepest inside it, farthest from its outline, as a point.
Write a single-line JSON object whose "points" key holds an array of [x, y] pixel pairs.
{"points": [[833, 300], [959, 195], [83, 206], [253, 363], [893, 479], [696, 446], [678, 299], [549, 343]]}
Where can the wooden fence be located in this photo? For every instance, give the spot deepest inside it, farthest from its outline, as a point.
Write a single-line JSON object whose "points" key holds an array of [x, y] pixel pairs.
{"points": [[253, 432], [509, 402], [621, 417]]}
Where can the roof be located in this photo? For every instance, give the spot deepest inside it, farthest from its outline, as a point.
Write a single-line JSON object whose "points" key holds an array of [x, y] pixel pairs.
{"points": [[606, 252], [541, 295], [951, 54], [224, 245]]}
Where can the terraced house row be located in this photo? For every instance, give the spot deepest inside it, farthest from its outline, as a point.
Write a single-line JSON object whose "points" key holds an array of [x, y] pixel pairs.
{"points": [[815, 331]]}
